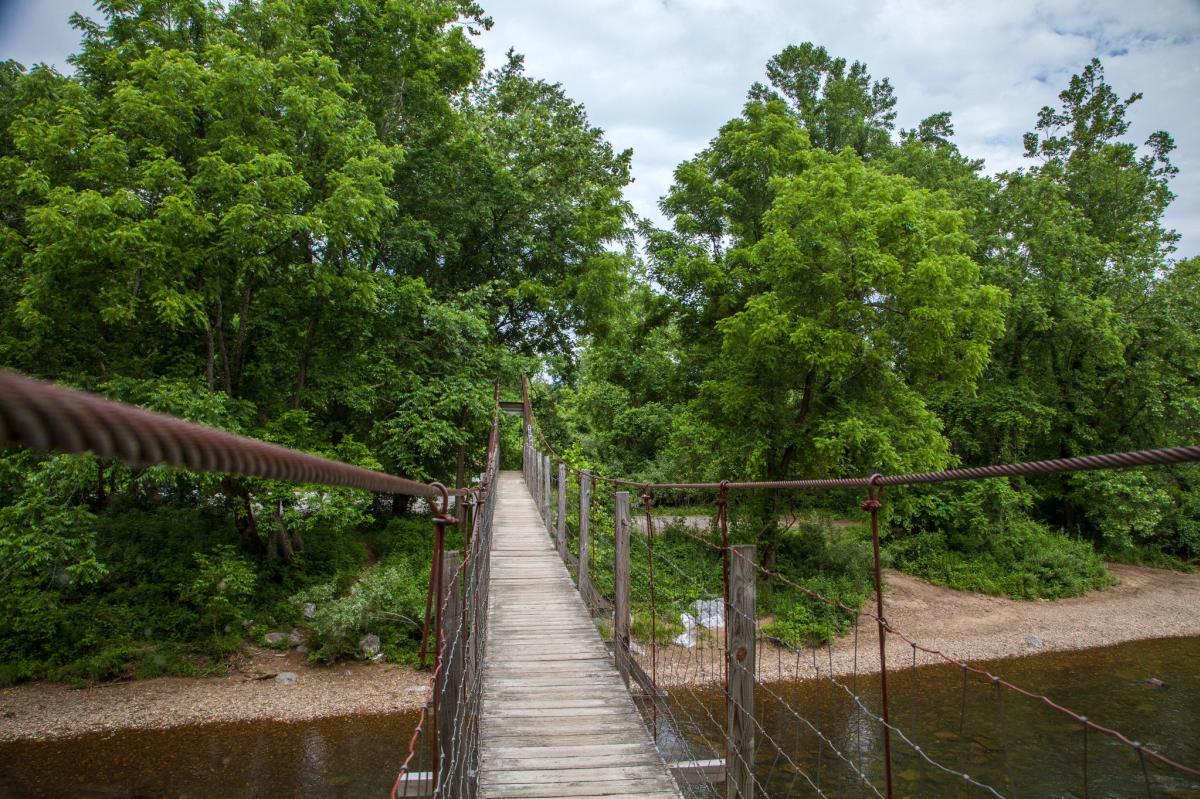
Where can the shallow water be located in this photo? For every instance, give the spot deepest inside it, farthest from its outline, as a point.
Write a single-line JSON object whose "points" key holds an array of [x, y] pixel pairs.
{"points": [[1015, 745], [333, 757]]}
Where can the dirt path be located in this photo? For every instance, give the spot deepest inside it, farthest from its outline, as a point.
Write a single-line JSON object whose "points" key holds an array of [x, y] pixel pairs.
{"points": [[1146, 603]]}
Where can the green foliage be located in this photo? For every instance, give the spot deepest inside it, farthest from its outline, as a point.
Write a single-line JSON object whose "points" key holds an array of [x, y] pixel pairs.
{"points": [[979, 537], [315, 223], [388, 601], [837, 301], [224, 581]]}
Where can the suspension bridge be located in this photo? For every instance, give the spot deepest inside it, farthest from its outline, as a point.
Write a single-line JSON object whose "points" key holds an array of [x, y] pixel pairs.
{"points": [[552, 675]]}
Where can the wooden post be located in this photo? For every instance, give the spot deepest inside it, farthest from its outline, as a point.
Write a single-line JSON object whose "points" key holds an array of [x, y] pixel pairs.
{"points": [[741, 620], [560, 530], [446, 696], [546, 492], [537, 477], [585, 503], [536, 469], [621, 584]]}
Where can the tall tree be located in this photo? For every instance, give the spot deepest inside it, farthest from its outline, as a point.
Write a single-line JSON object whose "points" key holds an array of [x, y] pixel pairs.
{"points": [[839, 105], [1095, 356]]}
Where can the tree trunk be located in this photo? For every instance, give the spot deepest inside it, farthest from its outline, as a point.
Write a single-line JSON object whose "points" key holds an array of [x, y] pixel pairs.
{"points": [[281, 537], [226, 373], [210, 357], [244, 521], [239, 347]]}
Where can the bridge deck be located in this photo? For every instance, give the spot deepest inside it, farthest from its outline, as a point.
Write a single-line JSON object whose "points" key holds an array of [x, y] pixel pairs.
{"points": [[556, 718]]}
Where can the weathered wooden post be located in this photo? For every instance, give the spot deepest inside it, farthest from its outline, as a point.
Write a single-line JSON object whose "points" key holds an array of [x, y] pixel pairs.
{"points": [[741, 620], [621, 584], [536, 488], [546, 492], [560, 529], [585, 503], [446, 696]]}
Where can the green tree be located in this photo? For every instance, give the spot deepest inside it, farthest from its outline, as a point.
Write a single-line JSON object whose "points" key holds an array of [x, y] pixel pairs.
{"points": [[838, 105], [1099, 350]]}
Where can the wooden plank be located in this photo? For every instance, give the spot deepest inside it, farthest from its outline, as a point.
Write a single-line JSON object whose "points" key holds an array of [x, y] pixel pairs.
{"points": [[664, 786], [698, 772], [652, 775], [418, 783], [556, 718]]}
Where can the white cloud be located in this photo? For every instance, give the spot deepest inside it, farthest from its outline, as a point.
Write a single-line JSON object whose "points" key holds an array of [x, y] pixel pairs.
{"points": [[681, 68], [661, 76]]}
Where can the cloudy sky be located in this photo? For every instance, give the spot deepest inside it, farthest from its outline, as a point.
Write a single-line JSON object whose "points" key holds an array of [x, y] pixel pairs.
{"points": [[661, 76]]}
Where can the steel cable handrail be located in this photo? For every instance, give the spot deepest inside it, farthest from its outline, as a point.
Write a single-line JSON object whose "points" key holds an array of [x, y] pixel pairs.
{"points": [[51, 418]]}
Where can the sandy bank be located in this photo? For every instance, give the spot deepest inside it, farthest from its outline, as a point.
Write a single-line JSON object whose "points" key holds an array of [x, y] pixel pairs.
{"points": [[1147, 603]]}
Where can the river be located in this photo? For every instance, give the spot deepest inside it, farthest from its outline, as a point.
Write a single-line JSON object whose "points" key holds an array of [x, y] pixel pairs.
{"points": [[1015, 745]]}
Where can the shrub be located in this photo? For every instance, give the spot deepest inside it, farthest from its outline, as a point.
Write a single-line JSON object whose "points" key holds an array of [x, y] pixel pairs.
{"points": [[388, 601], [223, 583]]}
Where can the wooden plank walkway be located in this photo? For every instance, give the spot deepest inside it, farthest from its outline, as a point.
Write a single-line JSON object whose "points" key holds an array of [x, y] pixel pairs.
{"points": [[556, 719]]}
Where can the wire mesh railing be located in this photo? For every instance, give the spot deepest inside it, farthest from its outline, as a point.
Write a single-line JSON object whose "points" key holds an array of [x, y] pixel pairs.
{"points": [[670, 600], [448, 766]]}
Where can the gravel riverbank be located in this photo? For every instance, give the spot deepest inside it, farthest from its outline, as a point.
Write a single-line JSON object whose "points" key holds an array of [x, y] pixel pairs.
{"points": [[53, 710], [1146, 603]]}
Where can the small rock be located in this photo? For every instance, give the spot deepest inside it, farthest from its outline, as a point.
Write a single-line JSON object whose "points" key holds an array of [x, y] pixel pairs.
{"points": [[1033, 641], [377, 658], [420, 689], [308, 610], [370, 645], [302, 650], [286, 678], [274, 639], [1154, 682], [349, 673], [295, 638]]}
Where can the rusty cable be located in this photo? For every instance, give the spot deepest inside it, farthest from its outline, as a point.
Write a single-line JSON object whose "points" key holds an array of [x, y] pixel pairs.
{"points": [[1117, 460], [48, 417]]}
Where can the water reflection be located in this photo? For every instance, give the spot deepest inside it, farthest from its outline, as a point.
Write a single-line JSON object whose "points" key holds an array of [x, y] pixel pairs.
{"points": [[341, 757]]}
